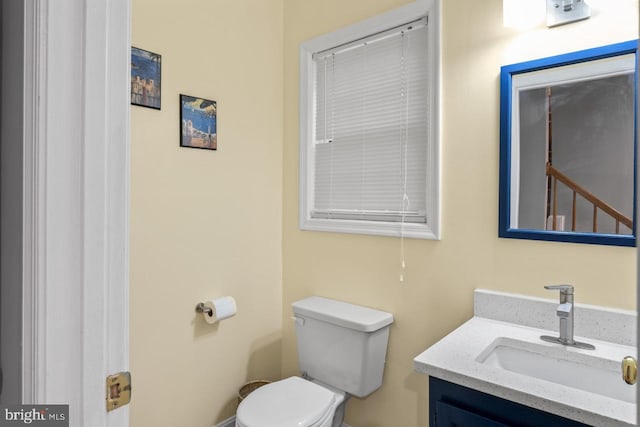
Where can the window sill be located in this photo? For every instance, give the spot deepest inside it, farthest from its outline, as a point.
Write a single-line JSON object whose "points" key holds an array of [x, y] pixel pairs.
{"points": [[375, 228]]}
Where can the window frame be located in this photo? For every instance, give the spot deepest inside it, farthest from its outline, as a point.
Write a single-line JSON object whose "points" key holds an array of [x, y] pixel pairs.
{"points": [[377, 24]]}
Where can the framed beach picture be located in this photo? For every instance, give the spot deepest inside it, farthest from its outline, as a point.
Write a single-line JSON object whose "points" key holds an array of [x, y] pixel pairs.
{"points": [[199, 126], [145, 78]]}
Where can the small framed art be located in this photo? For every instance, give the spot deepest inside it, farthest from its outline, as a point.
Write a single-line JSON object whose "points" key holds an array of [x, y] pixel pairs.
{"points": [[199, 127], [146, 78]]}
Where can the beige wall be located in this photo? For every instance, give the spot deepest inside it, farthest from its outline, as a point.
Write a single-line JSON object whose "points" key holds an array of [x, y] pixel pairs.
{"points": [[206, 223], [436, 296]]}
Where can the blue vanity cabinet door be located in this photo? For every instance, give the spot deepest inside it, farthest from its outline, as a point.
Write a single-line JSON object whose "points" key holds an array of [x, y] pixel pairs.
{"points": [[452, 405], [453, 416]]}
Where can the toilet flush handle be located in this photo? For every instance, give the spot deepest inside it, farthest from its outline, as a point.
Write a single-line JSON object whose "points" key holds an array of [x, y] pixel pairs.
{"points": [[299, 320]]}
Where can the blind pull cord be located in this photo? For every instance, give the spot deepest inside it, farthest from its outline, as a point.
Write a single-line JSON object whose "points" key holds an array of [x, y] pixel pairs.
{"points": [[405, 197]]}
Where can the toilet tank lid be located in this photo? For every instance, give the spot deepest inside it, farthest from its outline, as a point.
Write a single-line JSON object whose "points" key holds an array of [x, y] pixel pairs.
{"points": [[343, 314]]}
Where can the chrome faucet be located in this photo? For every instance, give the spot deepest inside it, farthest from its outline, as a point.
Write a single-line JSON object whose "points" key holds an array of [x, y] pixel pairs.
{"points": [[565, 313]]}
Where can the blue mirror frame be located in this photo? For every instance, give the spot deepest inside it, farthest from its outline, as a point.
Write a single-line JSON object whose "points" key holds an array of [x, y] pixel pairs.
{"points": [[507, 74]]}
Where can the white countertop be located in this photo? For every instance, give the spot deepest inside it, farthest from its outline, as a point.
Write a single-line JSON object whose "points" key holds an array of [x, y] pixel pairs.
{"points": [[454, 359]]}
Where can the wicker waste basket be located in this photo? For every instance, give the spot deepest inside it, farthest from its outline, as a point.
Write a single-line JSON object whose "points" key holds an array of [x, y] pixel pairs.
{"points": [[246, 389]]}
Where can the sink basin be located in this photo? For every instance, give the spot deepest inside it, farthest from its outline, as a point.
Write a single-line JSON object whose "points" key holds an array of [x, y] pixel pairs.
{"points": [[560, 365]]}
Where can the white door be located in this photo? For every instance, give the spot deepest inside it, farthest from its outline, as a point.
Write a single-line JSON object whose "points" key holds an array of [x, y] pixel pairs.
{"points": [[11, 28], [76, 205]]}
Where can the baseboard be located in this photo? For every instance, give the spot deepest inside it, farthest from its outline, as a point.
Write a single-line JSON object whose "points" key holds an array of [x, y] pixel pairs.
{"points": [[231, 422]]}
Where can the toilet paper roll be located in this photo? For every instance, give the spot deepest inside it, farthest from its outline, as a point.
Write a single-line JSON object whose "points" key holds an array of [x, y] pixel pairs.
{"points": [[219, 309]]}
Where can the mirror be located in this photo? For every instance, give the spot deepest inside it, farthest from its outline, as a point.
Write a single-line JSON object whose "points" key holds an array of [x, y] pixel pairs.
{"points": [[568, 147]]}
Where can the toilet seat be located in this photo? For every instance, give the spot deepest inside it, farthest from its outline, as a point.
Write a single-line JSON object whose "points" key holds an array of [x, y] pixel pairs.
{"points": [[292, 402]]}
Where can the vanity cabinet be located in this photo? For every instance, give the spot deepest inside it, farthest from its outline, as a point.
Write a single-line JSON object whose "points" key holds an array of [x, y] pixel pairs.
{"points": [[452, 405]]}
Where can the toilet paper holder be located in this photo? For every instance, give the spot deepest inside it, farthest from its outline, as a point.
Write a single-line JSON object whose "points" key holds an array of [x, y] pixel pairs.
{"points": [[217, 309], [200, 308]]}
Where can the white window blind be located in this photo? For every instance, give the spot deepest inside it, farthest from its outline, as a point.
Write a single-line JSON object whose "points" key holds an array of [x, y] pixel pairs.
{"points": [[371, 127]]}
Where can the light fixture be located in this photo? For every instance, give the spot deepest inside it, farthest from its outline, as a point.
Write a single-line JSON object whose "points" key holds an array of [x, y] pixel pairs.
{"points": [[523, 14], [560, 12], [527, 14]]}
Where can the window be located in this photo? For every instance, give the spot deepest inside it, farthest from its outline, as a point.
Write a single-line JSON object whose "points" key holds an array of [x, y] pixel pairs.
{"points": [[368, 127]]}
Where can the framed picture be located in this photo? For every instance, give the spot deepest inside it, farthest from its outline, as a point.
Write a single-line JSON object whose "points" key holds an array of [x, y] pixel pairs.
{"points": [[146, 78], [199, 126]]}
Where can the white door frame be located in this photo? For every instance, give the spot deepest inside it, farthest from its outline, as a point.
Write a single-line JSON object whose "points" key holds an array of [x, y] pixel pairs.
{"points": [[76, 205]]}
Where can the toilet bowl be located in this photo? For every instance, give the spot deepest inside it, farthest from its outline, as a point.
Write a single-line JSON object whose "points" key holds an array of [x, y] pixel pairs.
{"points": [[341, 353], [292, 402]]}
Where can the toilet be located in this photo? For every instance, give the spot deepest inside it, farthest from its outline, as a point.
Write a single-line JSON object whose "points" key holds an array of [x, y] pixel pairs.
{"points": [[341, 353]]}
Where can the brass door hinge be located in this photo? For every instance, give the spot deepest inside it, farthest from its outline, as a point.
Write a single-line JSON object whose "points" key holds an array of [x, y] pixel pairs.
{"points": [[118, 390]]}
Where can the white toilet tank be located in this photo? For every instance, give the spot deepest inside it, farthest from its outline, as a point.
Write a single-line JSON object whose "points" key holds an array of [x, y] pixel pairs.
{"points": [[342, 345]]}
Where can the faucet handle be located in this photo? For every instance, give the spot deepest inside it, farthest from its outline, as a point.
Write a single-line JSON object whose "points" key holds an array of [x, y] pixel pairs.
{"points": [[564, 289]]}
